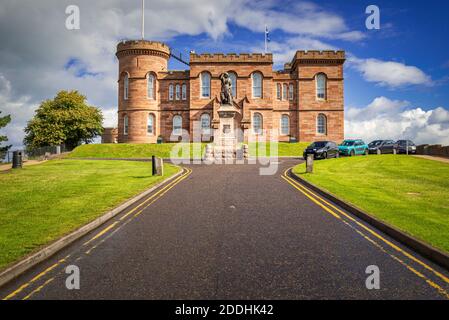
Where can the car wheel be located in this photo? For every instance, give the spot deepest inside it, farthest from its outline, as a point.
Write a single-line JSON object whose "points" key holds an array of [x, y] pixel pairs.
{"points": [[352, 153]]}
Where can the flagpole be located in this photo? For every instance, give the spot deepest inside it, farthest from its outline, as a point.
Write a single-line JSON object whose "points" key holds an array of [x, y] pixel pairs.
{"points": [[266, 46], [143, 19]]}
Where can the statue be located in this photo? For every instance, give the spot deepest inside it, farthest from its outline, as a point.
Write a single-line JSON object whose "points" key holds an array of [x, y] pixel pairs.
{"points": [[226, 89]]}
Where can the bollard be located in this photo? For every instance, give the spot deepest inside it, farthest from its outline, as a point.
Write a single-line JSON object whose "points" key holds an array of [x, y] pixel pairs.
{"points": [[309, 163], [17, 159], [159, 166], [153, 165]]}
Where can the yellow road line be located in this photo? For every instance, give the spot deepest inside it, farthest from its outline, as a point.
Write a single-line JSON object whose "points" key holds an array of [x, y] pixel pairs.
{"points": [[38, 288], [392, 245], [40, 275]]}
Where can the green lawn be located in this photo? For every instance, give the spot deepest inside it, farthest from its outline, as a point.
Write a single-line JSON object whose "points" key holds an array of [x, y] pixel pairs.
{"points": [[41, 203], [123, 150], [164, 150], [407, 192]]}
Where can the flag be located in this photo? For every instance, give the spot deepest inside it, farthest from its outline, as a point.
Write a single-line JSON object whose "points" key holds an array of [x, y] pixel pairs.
{"points": [[267, 34]]}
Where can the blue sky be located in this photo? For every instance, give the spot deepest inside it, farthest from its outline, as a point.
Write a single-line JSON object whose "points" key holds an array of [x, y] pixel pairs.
{"points": [[397, 78]]}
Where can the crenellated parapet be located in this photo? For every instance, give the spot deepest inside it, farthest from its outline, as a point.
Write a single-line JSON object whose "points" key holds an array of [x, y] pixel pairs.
{"points": [[142, 47], [319, 57], [231, 58]]}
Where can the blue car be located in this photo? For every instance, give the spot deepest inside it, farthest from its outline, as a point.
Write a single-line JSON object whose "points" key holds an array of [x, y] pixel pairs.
{"points": [[353, 147]]}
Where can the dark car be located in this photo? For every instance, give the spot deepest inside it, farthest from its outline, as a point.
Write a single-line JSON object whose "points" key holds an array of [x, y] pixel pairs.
{"points": [[322, 150], [382, 146], [403, 145]]}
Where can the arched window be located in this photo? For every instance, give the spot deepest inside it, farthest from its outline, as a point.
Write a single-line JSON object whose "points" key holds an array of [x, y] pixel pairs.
{"points": [[321, 86], [150, 124], [184, 92], [178, 92], [177, 125], [205, 85], [284, 91], [205, 123], [321, 124], [279, 91], [170, 92], [126, 87], [257, 123], [151, 86], [125, 125], [233, 78], [257, 84], [290, 92], [285, 125]]}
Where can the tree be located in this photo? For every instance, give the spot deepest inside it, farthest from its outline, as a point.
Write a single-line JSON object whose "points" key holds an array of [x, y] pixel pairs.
{"points": [[3, 122], [66, 119]]}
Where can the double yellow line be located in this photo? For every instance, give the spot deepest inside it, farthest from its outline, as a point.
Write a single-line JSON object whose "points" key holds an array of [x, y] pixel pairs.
{"points": [[137, 210], [344, 217]]}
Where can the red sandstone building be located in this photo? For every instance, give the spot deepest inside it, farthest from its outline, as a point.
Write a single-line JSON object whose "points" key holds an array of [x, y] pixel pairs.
{"points": [[302, 102]]}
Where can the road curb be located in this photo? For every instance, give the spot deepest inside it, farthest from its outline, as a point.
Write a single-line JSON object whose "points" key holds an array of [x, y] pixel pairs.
{"points": [[29, 262], [433, 254]]}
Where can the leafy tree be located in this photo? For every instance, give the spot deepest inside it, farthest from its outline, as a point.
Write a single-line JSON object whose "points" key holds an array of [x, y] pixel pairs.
{"points": [[3, 122], [66, 119]]}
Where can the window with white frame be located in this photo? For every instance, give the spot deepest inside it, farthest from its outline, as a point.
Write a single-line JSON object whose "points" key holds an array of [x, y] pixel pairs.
{"points": [[284, 91], [321, 126], [125, 87], [279, 91], [178, 92], [321, 86], [125, 125], [205, 123], [233, 78], [151, 86], [177, 125], [285, 125], [257, 123], [290, 92], [170, 92], [257, 84], [150, 124], [205, 85], [184, 92]]}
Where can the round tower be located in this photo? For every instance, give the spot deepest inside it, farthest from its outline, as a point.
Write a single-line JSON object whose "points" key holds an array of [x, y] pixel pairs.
{"points": [[138, 89]]}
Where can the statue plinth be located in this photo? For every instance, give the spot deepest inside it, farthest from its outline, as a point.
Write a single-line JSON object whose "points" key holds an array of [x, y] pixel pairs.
{"points": [[227, 111]]}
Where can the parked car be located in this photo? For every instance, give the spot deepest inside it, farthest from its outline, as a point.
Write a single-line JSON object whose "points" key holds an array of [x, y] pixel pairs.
{"points": [[403, 145], [353, 147], [382, 146], [322, 150]]}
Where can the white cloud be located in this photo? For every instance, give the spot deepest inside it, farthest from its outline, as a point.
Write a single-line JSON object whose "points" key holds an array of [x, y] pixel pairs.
{"points": [[394, 119], [390, 73]]}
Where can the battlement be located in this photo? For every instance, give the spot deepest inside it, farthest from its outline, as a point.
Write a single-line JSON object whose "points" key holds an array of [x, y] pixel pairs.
{"points": [[231, 58], [316, 54], [142, 47]]}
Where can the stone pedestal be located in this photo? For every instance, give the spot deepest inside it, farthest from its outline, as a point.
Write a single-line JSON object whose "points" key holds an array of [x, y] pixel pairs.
{"points": [[226, 133]]}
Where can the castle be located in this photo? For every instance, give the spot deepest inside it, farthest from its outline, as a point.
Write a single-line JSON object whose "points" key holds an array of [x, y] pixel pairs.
{"points": [[302, 102]]}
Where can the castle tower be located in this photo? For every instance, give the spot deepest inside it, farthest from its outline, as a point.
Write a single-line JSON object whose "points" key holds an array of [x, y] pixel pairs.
{"points": [[140, 63]]}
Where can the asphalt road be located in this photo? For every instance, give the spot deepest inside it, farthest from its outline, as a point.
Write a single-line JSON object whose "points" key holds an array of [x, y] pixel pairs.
{"points": [[226, 232]]}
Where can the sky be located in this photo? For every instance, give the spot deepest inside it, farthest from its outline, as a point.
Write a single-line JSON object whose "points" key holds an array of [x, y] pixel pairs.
{"points": [[396, 77]]}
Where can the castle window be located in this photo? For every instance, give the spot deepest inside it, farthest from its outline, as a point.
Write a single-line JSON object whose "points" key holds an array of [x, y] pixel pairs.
{"points": [[150, 86], [279, 91], [290, 92], [205, 85], [284, 91], [150, 124], [321, 86], [125, 125], [205, 123], [285, 125], [170, 92], [321, 126], [126, 87], [177, 125], [257, 123], [178, 92], [184, 92], [257, 84], [233, 78]]}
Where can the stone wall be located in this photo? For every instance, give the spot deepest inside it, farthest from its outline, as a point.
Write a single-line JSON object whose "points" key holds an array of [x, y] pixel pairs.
{"points": [[433, 150]]}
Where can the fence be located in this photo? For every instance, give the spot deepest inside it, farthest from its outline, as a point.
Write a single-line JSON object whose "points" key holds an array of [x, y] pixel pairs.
{"points": [[433, 150], [37, 153]]}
